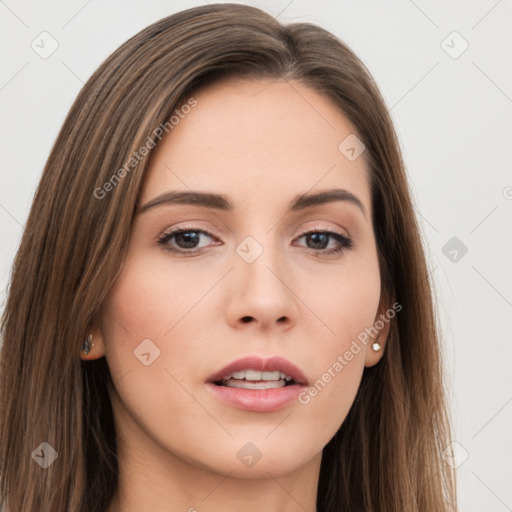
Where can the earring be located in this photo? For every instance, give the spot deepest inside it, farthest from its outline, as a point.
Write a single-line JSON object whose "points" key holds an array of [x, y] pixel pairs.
{"points": [[87, 346], [376, 346]]}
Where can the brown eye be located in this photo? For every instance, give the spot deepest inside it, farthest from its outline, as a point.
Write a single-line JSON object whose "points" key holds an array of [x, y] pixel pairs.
{"points": [[184, 240], [319, 241]]}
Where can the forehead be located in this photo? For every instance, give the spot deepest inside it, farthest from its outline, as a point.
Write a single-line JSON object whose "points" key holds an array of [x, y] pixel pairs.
{"points": [[257, 139]]}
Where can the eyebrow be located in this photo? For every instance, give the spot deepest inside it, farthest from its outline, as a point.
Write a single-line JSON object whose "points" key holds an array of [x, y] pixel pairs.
{"points": [[222, 202]]}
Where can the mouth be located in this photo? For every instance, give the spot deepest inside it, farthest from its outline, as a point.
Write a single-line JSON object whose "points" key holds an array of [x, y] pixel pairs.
{"points": [[254, 379], [254, 372], [257, 384]]}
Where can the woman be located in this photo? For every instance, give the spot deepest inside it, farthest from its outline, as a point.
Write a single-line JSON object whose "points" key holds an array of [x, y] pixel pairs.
{"points": [[221, 298]]}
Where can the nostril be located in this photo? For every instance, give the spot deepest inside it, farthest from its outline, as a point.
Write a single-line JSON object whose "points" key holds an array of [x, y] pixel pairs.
{"points": [[246, 319]]}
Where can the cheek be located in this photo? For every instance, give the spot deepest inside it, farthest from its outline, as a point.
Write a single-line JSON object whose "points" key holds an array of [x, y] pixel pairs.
{"points": [[146, 312], [344, 301], [147, 301], [137, 316], [346, 307], [324, 405]]}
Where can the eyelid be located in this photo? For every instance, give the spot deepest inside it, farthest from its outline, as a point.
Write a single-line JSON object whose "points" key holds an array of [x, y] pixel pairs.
{"points": [[208, 230], [317, 227], [190, 225]]}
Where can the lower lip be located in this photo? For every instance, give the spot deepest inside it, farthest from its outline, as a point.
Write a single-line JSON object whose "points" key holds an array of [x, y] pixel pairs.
{"points": [[256, 400]]}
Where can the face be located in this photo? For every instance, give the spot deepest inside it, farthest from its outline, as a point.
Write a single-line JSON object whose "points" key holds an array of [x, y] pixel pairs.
{"points": [[257, 273]]}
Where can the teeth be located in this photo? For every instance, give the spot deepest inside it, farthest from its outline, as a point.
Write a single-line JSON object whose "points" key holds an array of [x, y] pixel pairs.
{"points": [[255, 375], [270, 375], [247, 384]]}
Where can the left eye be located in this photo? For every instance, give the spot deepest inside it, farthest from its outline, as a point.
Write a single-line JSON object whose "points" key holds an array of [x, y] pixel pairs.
{"points": [[320, 241]]}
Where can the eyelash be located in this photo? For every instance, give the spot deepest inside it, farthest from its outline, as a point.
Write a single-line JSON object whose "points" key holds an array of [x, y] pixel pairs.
{"points": [[345, 242]]}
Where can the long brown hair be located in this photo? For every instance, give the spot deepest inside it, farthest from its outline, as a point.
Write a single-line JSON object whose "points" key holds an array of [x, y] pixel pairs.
{"points": [[386, 456]]}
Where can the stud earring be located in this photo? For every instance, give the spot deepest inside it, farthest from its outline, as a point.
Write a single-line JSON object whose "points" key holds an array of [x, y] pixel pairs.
{"points": [[87, 346], [376, 346]]}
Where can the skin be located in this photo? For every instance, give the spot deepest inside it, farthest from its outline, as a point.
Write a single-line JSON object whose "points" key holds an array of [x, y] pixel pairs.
{"points": [[261, 143]]}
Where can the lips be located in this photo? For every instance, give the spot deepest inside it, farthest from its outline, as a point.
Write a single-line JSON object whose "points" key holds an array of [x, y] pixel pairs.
{"points": [[258, 364], [256, 384]]}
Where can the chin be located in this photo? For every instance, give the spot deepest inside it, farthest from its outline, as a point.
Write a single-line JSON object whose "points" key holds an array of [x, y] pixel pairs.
{"points": [[257, 460]]}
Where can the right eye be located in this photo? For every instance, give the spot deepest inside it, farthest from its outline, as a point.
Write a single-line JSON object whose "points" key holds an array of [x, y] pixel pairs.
{"points": [[186, 240]]}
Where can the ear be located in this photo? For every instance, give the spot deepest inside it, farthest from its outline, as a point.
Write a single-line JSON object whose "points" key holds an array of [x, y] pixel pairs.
{"points": [[382, 324], [97, 346]]}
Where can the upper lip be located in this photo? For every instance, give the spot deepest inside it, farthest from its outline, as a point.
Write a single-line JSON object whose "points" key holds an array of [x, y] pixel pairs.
{"points": [[270, 364]]}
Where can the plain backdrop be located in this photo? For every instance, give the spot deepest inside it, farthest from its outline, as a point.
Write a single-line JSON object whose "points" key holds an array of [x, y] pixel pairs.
{"points": [[444, 69]]}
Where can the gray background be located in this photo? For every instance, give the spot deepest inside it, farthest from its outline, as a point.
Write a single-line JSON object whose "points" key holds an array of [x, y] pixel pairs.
{"points": [[451, 109]]}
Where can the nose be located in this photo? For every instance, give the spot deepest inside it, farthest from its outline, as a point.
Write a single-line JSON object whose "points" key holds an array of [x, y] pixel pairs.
{"points": [[262, 293]]}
